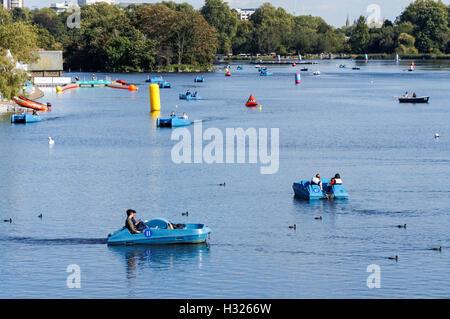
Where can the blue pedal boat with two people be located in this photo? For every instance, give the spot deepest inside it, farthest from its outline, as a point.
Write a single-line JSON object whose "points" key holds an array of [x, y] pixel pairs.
{"points": [[155, 80], [173, 121], [165, 85], [199, 79], [190, 96], [307, 190], [24, 118], [161, 231]]}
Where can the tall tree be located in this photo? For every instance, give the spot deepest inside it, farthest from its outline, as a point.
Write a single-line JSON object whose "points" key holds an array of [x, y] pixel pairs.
{"points": [[11, 79], [430, 20], [219, 15], [272, 28], [360, 37], [21, 39]]}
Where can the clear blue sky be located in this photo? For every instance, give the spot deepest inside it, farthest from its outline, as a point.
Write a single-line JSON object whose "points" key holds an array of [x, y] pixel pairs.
{"points": [[333, 11]]}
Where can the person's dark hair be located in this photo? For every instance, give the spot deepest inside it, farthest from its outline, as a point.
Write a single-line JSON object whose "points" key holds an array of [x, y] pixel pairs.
{"points": [[337, 175], [130, 211]]}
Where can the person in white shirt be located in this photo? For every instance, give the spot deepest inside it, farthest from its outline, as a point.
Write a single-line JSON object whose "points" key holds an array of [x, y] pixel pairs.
{"points": [[317, 181]]}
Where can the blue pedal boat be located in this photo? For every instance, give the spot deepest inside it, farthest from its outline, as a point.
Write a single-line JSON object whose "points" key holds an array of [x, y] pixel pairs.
{"points": [[159, 232], [154, 80], [199, 79], [174, 121], [24, 118], [306, 190], [188, 97], [265, 72], [239, 68], [165, 85]]}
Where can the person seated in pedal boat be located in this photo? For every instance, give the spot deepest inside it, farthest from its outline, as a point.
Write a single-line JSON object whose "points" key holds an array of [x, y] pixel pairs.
{"points": [[135, 227], [414, 94], [188, 92], [172, 114], [405, 95], [317, 181], [195, 93], [336, 180], [34, 112], [185, 116]]}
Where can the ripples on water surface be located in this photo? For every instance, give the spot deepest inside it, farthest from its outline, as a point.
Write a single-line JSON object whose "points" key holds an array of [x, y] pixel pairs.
{"points": [[109, 157]]}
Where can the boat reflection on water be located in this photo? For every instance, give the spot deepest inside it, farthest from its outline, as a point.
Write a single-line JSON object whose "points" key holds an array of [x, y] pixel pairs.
{"points": [[319, 206], [160, 257]]}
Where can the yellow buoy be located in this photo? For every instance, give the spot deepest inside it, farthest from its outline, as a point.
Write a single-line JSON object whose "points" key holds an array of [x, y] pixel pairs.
{"points": [[155, 100], [260, 107], [59, 89]]}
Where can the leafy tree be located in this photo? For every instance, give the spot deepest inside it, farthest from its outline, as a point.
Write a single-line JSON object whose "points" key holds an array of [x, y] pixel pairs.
{"points": [[182, 33], [243, 41], [406, 44], [430, 20], [11, 79], [20, 14], [219, 15], [360, 37], [5, 17], [21, 39], [273, 27]]}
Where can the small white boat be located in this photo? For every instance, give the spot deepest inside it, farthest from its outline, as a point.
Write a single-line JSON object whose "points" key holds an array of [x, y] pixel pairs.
{"points": [[316, 72]]}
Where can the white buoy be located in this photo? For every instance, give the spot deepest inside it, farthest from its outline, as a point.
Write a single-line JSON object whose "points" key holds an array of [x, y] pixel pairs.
{"points": [[436, 135], [51, 141]]}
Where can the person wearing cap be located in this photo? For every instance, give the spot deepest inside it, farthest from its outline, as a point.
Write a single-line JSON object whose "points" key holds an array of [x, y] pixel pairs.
{"points": [[185, 116], [172, 114], [317, 181]]}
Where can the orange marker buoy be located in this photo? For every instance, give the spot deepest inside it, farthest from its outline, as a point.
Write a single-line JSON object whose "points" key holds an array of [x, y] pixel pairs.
{"points": [[294, 64], [251, 101], [228, 73], [132, 87]]}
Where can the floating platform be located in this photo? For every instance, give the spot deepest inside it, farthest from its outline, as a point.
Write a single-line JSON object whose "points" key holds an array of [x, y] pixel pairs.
{"points": [[24, 118], [282, 62], [159, 232], [93, 83]]}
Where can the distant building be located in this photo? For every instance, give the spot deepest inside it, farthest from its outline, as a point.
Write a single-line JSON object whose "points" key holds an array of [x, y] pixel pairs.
{"points": [[49, 64], [124, 5], [60, 7], [245, 14], [88, 2], [11, 4]]}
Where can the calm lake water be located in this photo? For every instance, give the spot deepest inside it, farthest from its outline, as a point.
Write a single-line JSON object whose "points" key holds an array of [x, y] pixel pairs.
{"points": [[109, 157]]}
